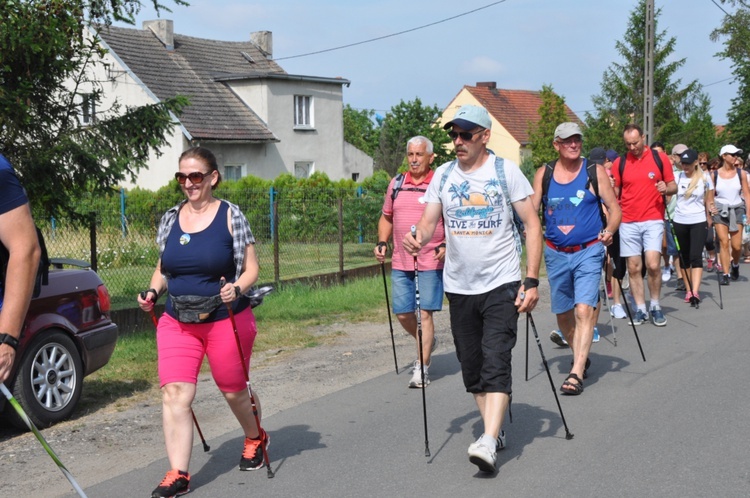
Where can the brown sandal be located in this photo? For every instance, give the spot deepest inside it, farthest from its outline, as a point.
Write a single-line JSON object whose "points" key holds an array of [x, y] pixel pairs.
{"points": [[570, 388]]}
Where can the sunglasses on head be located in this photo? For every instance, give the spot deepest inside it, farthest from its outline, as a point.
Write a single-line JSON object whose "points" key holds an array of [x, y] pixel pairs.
{"points": [[195, 177], [466, 136]]}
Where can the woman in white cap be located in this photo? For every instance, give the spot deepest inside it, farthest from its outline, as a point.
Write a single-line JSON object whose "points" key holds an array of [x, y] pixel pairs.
{"points": [[729, 210]]}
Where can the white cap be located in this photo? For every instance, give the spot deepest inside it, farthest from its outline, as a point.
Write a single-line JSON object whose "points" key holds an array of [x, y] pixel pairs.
{"points": [[729, 149]]}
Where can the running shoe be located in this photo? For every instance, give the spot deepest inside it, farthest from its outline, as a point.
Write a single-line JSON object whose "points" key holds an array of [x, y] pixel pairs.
{"points": [[501, 441], [557, 337], [666, 274], [688, 296], [657, 317], [252, 454], [596, 335], [681, 285], [734, 271], [416, 376], [709, 265], [618, 311], [639, 318], [696, 300], [482, 455], [724, 279], [175, 483]]}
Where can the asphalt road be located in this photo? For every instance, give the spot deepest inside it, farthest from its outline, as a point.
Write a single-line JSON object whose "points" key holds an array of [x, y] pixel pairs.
{"points": [[675, 425]]}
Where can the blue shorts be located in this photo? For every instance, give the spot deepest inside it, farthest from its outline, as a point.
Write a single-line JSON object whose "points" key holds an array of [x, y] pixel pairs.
{"points": [[671, 246], [404, 292], [640, 236], [574, 278]]}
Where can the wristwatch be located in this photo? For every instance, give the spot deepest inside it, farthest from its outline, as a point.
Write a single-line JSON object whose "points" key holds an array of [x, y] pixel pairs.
{"points": [[9, 340]]}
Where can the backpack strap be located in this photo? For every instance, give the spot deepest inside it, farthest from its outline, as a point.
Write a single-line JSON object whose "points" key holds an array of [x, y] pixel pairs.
{"points": [[591, 182], [517, 223], [397, 186]]}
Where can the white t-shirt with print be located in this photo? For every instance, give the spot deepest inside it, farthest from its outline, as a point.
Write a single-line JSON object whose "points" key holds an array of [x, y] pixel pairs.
{"points": [[691, 210], [480, 249]]}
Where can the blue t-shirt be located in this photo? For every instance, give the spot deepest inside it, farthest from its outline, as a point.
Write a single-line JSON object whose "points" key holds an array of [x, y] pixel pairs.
{"points": [[195, 262], [12, 194], [572, 212]]}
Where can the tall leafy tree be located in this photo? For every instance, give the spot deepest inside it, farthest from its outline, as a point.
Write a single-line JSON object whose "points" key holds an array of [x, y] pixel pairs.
{"points": [[47, 48], [360, 129], [551, 113], [734, 32], [403, 121], [621, 97]]}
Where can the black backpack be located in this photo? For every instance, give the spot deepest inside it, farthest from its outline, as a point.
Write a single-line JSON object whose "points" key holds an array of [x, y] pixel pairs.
{"points": [[657, 160], [397, 187]]}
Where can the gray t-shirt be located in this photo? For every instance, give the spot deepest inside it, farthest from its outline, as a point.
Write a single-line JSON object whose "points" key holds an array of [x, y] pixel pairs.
{"points": [[480, 249]]}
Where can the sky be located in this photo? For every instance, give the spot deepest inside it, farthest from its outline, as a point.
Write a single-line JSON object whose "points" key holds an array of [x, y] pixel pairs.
{"points": [[519, 44]]}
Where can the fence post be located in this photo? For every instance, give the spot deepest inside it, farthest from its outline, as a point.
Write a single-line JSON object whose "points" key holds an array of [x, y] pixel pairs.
{"points": [[92, 237], [272, 199], [341, 240], [359, 224], [122, 213], [275, 222]]}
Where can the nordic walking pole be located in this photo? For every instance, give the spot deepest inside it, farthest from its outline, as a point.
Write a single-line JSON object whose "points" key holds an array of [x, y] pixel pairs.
{"points": [[607, 303], [630, 316], [568, 435], [45, 445], [390, 323], [206, 447], [419, 336], [527, 350], [693, 301], [223, 282]]}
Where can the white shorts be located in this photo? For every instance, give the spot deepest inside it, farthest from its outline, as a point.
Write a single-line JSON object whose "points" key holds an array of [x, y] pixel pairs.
{"points": [[640, 236]]}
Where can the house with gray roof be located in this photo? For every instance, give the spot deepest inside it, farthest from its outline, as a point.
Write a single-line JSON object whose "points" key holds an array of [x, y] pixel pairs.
{"points": [[258, 119]]}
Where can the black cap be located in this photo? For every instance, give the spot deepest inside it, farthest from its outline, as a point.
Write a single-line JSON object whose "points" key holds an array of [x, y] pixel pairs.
{"points": [[689, 156], [598, 155]]}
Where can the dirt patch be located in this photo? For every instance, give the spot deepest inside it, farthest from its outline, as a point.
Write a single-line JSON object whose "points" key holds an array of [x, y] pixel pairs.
{"points": [[347, 354]]}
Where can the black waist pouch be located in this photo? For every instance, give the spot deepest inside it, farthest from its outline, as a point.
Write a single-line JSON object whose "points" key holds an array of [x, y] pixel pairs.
{"points": [[194, 309]]}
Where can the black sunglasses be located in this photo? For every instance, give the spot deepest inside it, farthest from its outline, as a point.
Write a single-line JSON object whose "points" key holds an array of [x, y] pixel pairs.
{"points": [[466, 136], [196, 177]]}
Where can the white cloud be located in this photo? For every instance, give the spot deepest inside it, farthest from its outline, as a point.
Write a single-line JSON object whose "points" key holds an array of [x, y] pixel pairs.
{"points": [[482, 65]]}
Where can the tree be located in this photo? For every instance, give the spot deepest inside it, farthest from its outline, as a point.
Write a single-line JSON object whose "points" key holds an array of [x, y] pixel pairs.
{"points": [[551, 113], [736, 39], [621, 98], [47, 48], [403, 121], [360, 130]]}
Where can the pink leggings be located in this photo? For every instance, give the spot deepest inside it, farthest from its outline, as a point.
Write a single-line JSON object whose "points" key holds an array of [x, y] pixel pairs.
{"points": [[182, 346]]}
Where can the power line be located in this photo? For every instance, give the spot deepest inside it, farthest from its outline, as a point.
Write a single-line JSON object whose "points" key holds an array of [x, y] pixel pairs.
{"points": [[720, 7], [393, 34]]}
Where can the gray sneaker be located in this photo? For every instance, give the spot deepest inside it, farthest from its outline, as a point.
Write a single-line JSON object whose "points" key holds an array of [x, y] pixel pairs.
{"points": [[483, 456], [416, 376], [639, 318], [657, 317]]}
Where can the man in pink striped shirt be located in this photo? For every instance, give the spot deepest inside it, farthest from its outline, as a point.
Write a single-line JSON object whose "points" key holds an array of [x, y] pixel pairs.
{"points": [[403, 206]]}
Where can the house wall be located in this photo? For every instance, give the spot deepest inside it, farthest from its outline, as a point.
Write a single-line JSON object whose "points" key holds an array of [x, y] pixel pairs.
{"points": [[501, 142]]}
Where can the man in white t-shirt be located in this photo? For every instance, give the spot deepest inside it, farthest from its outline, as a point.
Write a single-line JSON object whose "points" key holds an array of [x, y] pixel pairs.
{"points": [[482, 273]]}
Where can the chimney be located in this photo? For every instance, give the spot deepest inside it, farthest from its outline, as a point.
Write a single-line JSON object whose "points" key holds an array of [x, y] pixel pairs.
{"points": [[264, 41], [164, 31], [492, 85]]}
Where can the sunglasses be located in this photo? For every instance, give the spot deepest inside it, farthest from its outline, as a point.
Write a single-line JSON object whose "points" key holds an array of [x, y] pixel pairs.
{"points": [[196, 177], [466, 136], [703, 164]]}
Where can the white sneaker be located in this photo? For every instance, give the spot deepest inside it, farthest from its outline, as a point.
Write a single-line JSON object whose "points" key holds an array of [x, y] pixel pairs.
{"points": [[618, 311], [416, 376], [482, 455], [666, 274]]}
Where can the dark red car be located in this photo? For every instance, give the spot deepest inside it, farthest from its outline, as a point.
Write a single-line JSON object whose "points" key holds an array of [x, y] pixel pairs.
{"points": [[67, 335]]}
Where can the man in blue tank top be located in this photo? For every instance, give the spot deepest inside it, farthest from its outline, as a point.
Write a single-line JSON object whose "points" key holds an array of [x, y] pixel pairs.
{"points": [[575, 243]]}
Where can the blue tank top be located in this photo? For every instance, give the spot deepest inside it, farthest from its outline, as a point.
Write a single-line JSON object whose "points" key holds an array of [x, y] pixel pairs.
{"points": [[195, 262], [572, 212]]}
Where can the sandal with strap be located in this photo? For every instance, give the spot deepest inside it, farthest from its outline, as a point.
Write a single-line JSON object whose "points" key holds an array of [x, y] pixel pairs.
{"points": [[585, 369], [570, 388]]}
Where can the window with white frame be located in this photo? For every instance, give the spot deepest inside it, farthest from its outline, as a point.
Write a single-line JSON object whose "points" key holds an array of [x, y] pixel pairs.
{"points": [[88, 108], [303, 111], [303, 169], [233, 171]]}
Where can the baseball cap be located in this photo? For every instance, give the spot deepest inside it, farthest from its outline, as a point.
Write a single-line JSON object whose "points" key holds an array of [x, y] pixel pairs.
{"points": [[612, 154], [729, 149], [688, 156], [597, 155], [470, 116], [566, 130], [678, 149]]}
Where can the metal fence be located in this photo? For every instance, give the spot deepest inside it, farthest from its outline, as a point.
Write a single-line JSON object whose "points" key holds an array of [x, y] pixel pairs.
{"points": [[300, 233]]}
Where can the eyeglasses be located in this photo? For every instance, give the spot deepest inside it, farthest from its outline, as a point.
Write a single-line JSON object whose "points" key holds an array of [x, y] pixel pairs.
{"points": [[466, 136], [196, 177], [569, 142]]}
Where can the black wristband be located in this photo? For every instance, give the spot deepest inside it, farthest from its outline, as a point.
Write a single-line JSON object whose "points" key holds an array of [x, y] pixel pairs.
{"points": [[9, 340], [530, 283], [382, 244], [237, 292], [156, 295]]}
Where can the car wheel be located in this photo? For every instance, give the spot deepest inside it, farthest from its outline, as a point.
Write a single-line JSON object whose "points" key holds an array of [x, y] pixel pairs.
{"points": [[50, 379]]}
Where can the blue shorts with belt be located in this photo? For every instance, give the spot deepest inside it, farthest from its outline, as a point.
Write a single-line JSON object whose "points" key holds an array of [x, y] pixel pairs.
{"points": [[574, 277]]}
